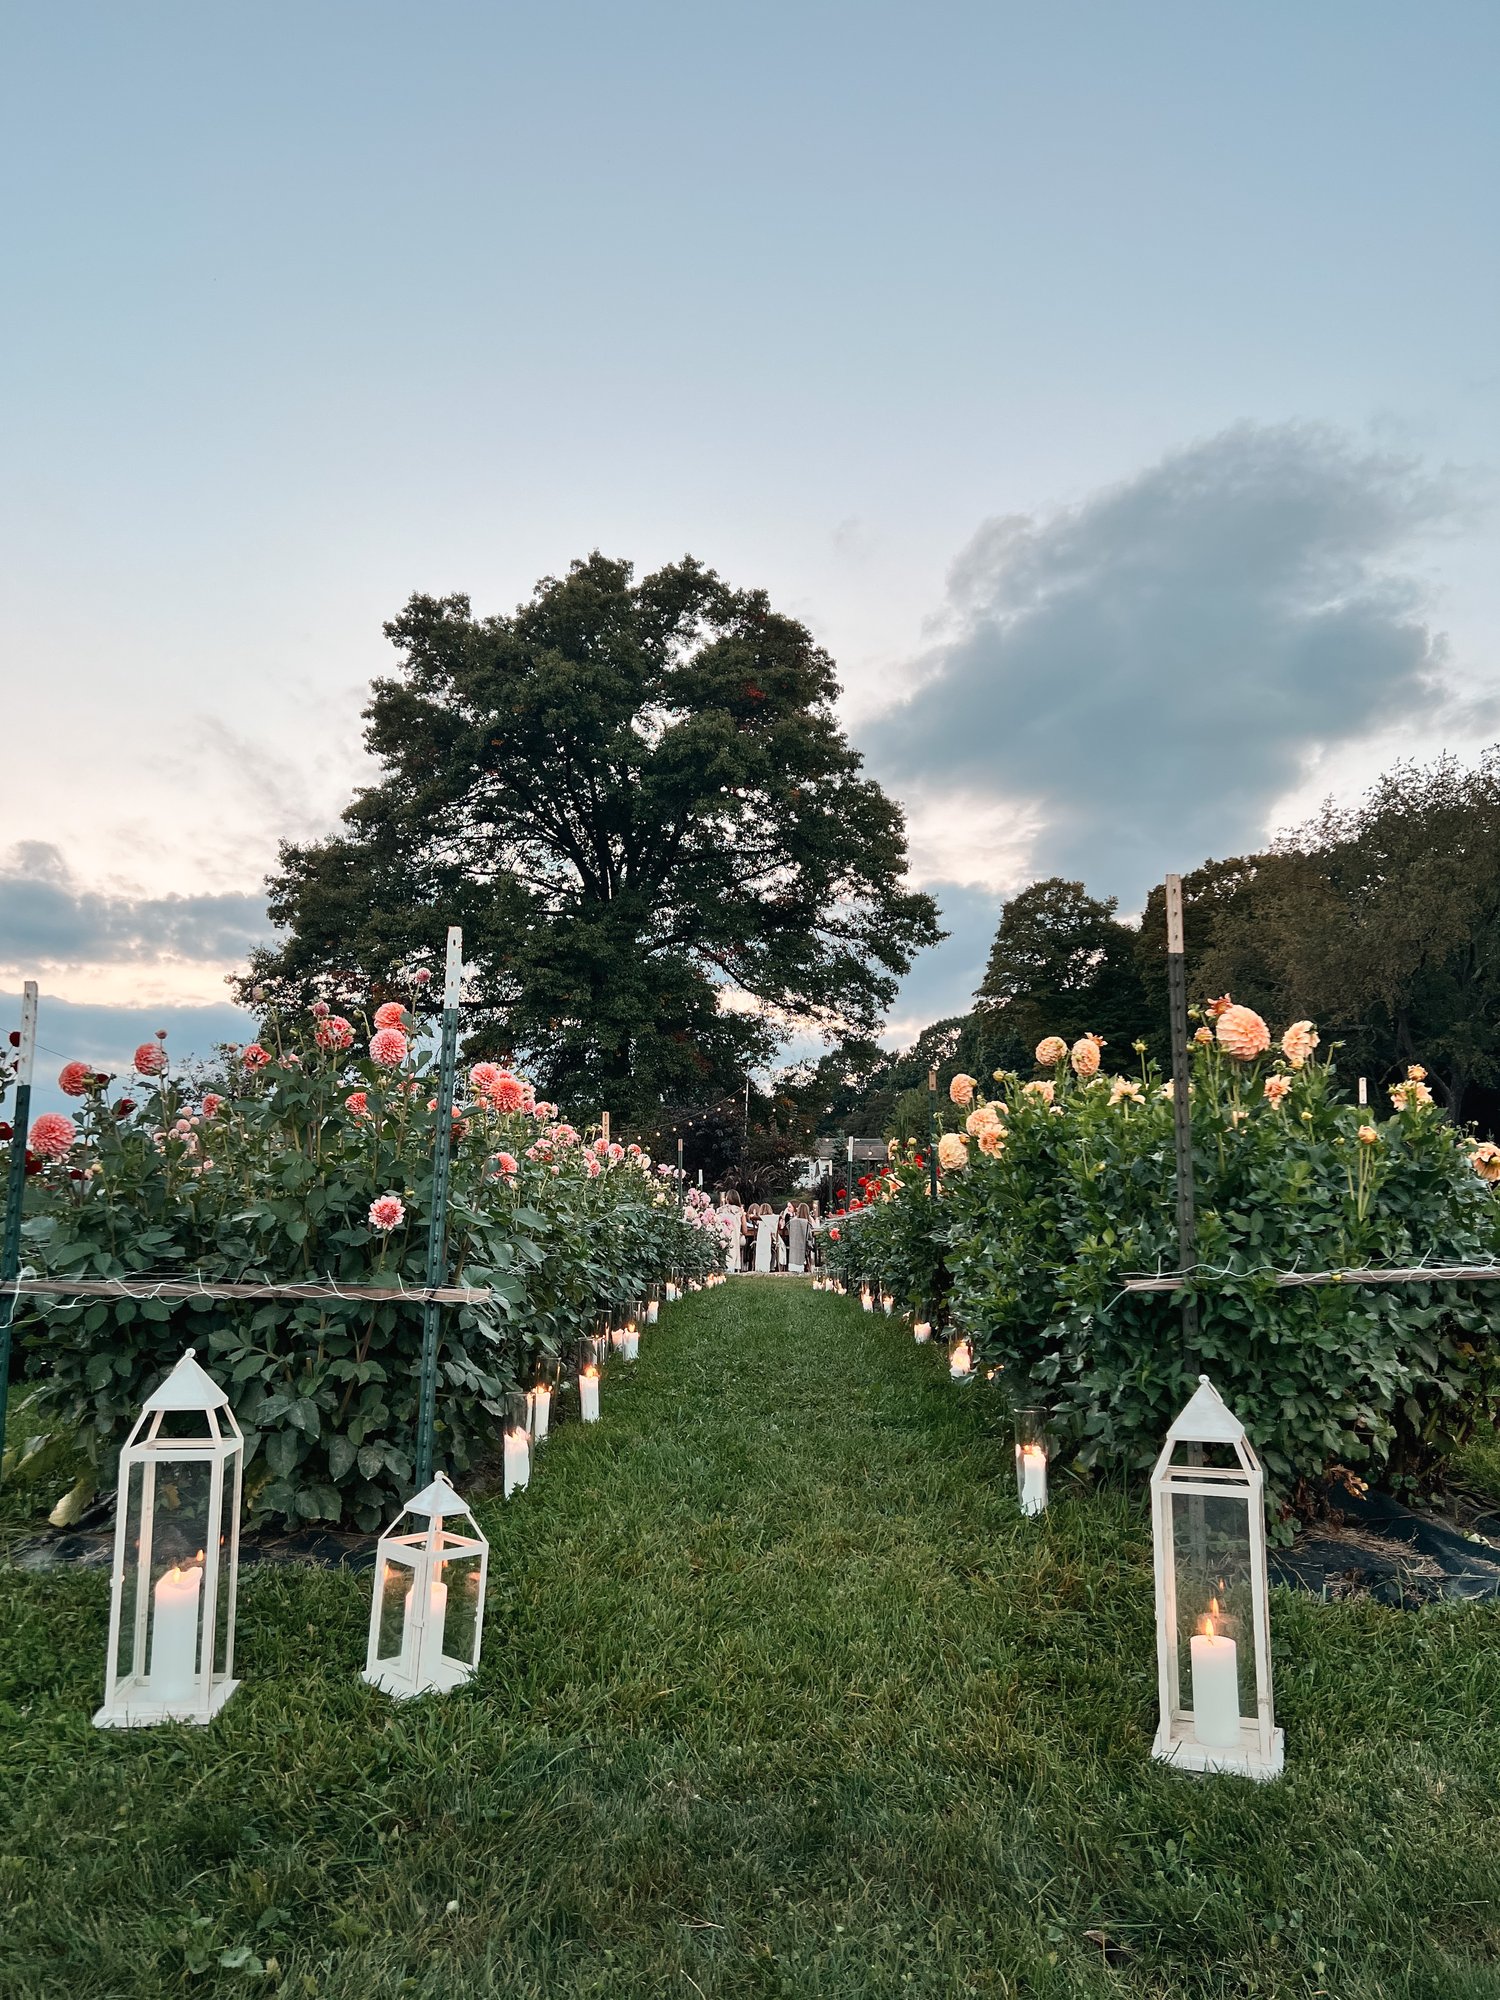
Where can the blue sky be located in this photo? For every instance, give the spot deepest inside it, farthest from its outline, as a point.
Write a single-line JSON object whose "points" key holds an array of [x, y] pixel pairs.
{"points": [[1113, 390]]}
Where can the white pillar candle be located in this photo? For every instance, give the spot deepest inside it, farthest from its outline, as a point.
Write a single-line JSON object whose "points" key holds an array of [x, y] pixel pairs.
{"points": [[867, 1299], [540, 1402], [588, 1396], [1216, 1688], [174, 1635], [632, 1346], [432, 1634], [517, 1460], [653, 1307], [922, 1330], [617, 1337], [1033, 1478], [961, 1360]]}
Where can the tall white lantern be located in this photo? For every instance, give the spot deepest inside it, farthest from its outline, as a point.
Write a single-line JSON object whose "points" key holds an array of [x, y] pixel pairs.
{"points": [[177, 1552], [427, 1617], [1213, 1626]]}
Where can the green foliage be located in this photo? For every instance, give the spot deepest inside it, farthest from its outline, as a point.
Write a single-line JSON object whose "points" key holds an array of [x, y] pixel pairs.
{"points": [[1061, 964], [893, 1233], [1038, 1239], [629, 794], [274, 1182]]}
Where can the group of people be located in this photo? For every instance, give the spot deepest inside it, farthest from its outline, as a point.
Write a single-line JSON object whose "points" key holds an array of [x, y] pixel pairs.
{"points": [[759, 1239]]}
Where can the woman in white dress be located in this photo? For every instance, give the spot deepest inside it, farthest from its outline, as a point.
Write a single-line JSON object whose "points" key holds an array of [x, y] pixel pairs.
{"points": [[798, 1229], [765, 1237], [731, 1219]]}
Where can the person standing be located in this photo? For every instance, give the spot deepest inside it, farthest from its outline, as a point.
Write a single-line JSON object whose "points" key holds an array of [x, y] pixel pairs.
{"points": [[731, 1219], [798, 1230], [765, 1239]]}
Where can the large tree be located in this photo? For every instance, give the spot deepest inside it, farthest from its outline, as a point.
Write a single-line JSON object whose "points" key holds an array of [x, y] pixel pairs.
{"points": [[1062, 964], [636, 799]]}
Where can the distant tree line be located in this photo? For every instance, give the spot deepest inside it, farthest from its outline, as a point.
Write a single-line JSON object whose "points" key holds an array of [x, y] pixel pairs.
{"points": [[1380, 921]]}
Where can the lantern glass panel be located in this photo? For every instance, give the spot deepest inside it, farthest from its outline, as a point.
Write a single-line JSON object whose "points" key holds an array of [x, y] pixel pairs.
{"points": [[460, 1573], [397, 1580], [178, 1529], [1212, 1555]]}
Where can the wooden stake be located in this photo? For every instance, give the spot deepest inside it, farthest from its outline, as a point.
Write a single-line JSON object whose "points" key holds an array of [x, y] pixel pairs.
{"points": [[932, 1133], [15, 1193], [1182, 1106], [437, 1227], [604, 1126]]}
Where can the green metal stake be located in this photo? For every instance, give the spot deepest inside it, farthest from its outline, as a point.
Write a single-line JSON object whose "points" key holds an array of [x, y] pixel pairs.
{"points": [[932, 1133], [1182, 1110], [437, 1227], [15, 1192]]}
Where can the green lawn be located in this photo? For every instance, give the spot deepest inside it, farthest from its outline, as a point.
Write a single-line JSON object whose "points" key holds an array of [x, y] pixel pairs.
{"points": [[779, 1697]]}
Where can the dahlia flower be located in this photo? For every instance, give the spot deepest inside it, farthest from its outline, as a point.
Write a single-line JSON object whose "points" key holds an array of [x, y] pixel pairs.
{"points": [[507, 1092], [51, 1136], [1412, 1092], [1085, 1056], [961, 1090], [319, 1010], [953, 1151], [422, 977], [1125, 1087], [1416, 1073], [388, 1047], [255, 1057], [1050, 1051], [150, 1059], [1298, 1043], [1203, 1036], [1217, 1007], [357, 1103], [334, 1032], [1485, 1160], [992, 1141], [594, 1167], [507, 1163], [1042, 1091], [1277, 1086], [482, 1078], [74, 1079], [211, 1104], [387, 1212], [391, 1015], [1368, 1135], [1242, 1033]]}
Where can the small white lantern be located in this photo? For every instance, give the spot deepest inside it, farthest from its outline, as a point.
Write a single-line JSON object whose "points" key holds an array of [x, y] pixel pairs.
{"points": [[922, 1330], [1213, 1626], [177, 1555], [887, 1303], [653, 1307], [588, 1393], [867, 1297], [961, 1360], [516, 1471], [428, 1612]]}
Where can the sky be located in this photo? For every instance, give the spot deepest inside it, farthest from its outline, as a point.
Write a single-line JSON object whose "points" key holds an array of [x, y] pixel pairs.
{"points": [[1113, 391]]}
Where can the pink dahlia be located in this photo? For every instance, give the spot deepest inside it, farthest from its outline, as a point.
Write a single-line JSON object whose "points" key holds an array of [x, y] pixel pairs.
{"points": [[1242, 1033], [961, 1089], [616, 1150], [150, 1059], [1277, 1087], [391, 1015], [255, 1057], [211, 1104], [388, 1047], [357, 1103], [319, 1010], [334, 1033], [52, 1136], [1050, 1051], [387, 1212], [483, 1077], [1298, 1043], [507, 1163], [422, 977], [594, 1167], [75, 1079], [507, 1092]]}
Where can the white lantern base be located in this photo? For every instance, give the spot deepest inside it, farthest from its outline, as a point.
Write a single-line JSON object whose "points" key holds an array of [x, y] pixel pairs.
{"points": [[134, 1708], [1176, 1745], [450, 1674]]}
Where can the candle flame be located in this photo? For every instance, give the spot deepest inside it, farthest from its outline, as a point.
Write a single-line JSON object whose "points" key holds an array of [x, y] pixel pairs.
{"points": [[1208, 1627]]}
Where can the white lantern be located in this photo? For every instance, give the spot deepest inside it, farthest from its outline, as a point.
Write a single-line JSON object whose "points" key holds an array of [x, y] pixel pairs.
{"points": [[428, 1612], [177, 1554], [867, 1297], [588, 1393], [922, 1330], [1213, 1627], [1031, 1459], [961, 1360]]}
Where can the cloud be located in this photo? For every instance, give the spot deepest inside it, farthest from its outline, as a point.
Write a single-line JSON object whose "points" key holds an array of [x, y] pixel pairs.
{"points": [[943, 979], [68, 1031], [1140, 677], [49, 921]]}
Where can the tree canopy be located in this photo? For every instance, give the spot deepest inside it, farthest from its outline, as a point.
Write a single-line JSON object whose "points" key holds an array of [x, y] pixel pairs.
{"points": [[636, 799]]}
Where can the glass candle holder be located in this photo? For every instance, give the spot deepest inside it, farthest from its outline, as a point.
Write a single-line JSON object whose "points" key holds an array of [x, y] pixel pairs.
{"points": [[1032, 1453]]}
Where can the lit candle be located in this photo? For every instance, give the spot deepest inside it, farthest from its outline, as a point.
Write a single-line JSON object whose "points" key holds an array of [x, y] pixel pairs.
{"points": [[1033, 1461], [1216, 1685], [517, 1460], [617, 1337], [653, 1307], [961, 1359], [922, 1330], [428, 1669], [632, 1343], [887, 1301], [540, 1404], [588, 1395], [174, 1635], [867, 1299]]}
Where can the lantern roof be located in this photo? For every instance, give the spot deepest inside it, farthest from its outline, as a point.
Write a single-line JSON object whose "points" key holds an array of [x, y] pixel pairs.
{"points": [[437, 1499], [1206, 1419], [188, 1387]]}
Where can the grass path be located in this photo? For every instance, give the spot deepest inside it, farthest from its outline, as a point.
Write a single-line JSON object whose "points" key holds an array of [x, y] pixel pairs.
{"points": [[779, 1697]]}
